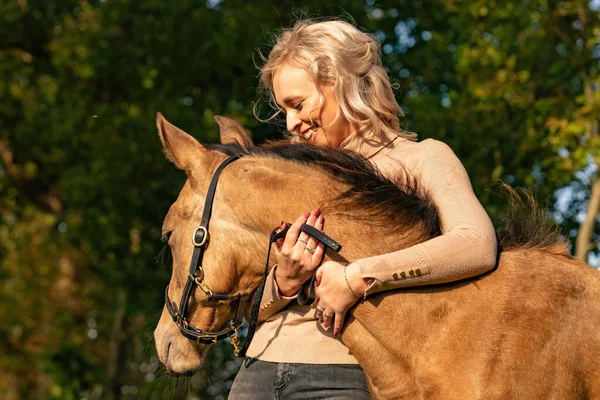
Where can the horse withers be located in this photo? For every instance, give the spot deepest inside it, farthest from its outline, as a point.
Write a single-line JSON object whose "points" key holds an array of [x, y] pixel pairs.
{"points": [[529, 329]]}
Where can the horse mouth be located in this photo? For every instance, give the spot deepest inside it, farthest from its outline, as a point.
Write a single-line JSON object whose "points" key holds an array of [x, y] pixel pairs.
{"points": [[182, 359], [174, 374]]}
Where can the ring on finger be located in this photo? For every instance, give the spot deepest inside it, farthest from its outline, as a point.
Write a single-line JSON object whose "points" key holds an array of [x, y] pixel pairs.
{"points": [[302, 241], [309, 249], [326, 314]]}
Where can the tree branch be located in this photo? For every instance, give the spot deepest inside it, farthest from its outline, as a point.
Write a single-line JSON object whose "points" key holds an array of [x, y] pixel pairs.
{"points": [[586, 228]]}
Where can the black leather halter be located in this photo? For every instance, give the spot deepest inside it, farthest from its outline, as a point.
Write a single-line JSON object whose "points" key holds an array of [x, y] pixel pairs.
{"points": [[196, 277]]}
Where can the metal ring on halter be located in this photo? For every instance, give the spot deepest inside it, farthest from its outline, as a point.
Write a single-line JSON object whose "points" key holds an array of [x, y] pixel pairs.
{"points": [[309, 249], [204, 236], [302, 241]]}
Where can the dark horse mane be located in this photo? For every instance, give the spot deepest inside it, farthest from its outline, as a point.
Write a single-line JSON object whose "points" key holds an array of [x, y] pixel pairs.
{"points": [[525, 226], [379, 198]]}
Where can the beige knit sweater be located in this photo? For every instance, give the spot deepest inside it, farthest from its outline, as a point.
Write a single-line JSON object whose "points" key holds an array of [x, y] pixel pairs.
{"points": [[467, 247]]}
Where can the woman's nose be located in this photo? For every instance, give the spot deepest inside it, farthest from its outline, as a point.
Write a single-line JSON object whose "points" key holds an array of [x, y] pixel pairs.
{"points": [[293, 122]]}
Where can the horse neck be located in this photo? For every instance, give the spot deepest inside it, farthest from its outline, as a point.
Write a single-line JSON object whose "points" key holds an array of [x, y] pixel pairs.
{"points": [[281, 191]]}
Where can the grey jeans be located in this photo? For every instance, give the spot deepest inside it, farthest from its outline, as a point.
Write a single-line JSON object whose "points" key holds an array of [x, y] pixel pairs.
{"points": [[261, 380]]}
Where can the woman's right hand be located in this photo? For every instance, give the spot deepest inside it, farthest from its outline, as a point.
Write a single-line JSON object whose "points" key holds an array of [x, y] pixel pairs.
{"points": [[295, 262]]}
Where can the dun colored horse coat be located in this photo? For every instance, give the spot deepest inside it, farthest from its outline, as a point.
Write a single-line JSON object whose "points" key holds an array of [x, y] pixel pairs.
{"points": [[529, 329]]}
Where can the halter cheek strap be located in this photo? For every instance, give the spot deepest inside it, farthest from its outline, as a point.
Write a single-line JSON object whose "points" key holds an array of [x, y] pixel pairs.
{"points": [[200, 239]]}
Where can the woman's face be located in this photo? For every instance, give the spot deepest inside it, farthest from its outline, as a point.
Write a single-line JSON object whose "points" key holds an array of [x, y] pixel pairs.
{"points": [[320, 123]]}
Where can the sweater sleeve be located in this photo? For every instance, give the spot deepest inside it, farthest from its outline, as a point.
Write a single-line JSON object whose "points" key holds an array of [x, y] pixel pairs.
{"points": [[272, 301], [467, 246]]}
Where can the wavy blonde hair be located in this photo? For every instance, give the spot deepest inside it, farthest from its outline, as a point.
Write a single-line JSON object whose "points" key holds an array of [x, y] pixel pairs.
{"points": [[336, 53]]}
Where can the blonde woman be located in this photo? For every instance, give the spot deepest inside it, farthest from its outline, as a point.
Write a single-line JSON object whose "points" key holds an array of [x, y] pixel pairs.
{"points": [[328, 80]]}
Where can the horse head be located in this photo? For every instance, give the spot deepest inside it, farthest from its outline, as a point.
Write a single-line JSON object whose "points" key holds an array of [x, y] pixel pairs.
{"points": [[245, 206]]}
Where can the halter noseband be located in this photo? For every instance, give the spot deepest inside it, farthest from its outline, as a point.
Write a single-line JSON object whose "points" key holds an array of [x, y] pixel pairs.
{"points": [[196, 277]]}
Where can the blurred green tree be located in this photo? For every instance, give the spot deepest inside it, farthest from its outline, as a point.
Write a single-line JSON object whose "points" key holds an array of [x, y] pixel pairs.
{"points": [[519, 82], [512, 86]]}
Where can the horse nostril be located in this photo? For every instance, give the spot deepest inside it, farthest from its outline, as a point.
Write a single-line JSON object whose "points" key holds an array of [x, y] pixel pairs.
{"points": [[165, 361], [167, 352], [169, 365]]}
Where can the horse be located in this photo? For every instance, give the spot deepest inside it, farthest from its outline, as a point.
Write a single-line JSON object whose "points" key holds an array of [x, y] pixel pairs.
{"points": [[529, 329]]}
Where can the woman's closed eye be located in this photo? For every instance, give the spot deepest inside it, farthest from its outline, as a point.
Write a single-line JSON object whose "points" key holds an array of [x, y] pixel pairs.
{"points": [[298, 107]]}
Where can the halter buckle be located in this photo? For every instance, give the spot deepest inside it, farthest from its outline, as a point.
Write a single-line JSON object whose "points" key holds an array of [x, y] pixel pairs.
{"points": [[200, 241], [180, 320], [207, 335]]}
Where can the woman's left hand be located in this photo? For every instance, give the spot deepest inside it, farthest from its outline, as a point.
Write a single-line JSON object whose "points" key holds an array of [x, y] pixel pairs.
{"points": [[333, 295]]}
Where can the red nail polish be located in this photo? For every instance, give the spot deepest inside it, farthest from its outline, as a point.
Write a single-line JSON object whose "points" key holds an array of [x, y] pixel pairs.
{"points": [[318, 212], [320, 220], [306, 214]]}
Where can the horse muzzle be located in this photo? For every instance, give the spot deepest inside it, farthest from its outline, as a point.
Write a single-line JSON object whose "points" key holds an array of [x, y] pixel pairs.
{"points": [[178, 355]]}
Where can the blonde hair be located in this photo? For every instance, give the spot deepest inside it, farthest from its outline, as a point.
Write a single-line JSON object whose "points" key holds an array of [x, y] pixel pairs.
{"points": [[337, 53]]}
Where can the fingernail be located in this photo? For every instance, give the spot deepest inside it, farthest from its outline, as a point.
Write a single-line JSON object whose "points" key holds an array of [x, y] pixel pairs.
{"points": [[335, 332], [320, 220], [306, 214], [318, 212], [281, 225]]}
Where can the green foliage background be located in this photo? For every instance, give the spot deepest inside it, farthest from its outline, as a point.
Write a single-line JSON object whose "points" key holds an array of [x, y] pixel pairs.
{"points": [[511, 86]]}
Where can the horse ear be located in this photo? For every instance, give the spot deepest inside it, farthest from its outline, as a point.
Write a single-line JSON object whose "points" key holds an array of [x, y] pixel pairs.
{"points": [[180, 148], [231, 131]]}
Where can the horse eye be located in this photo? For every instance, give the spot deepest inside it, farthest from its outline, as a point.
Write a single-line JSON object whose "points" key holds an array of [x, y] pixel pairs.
{"points": [[166, 236]]}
